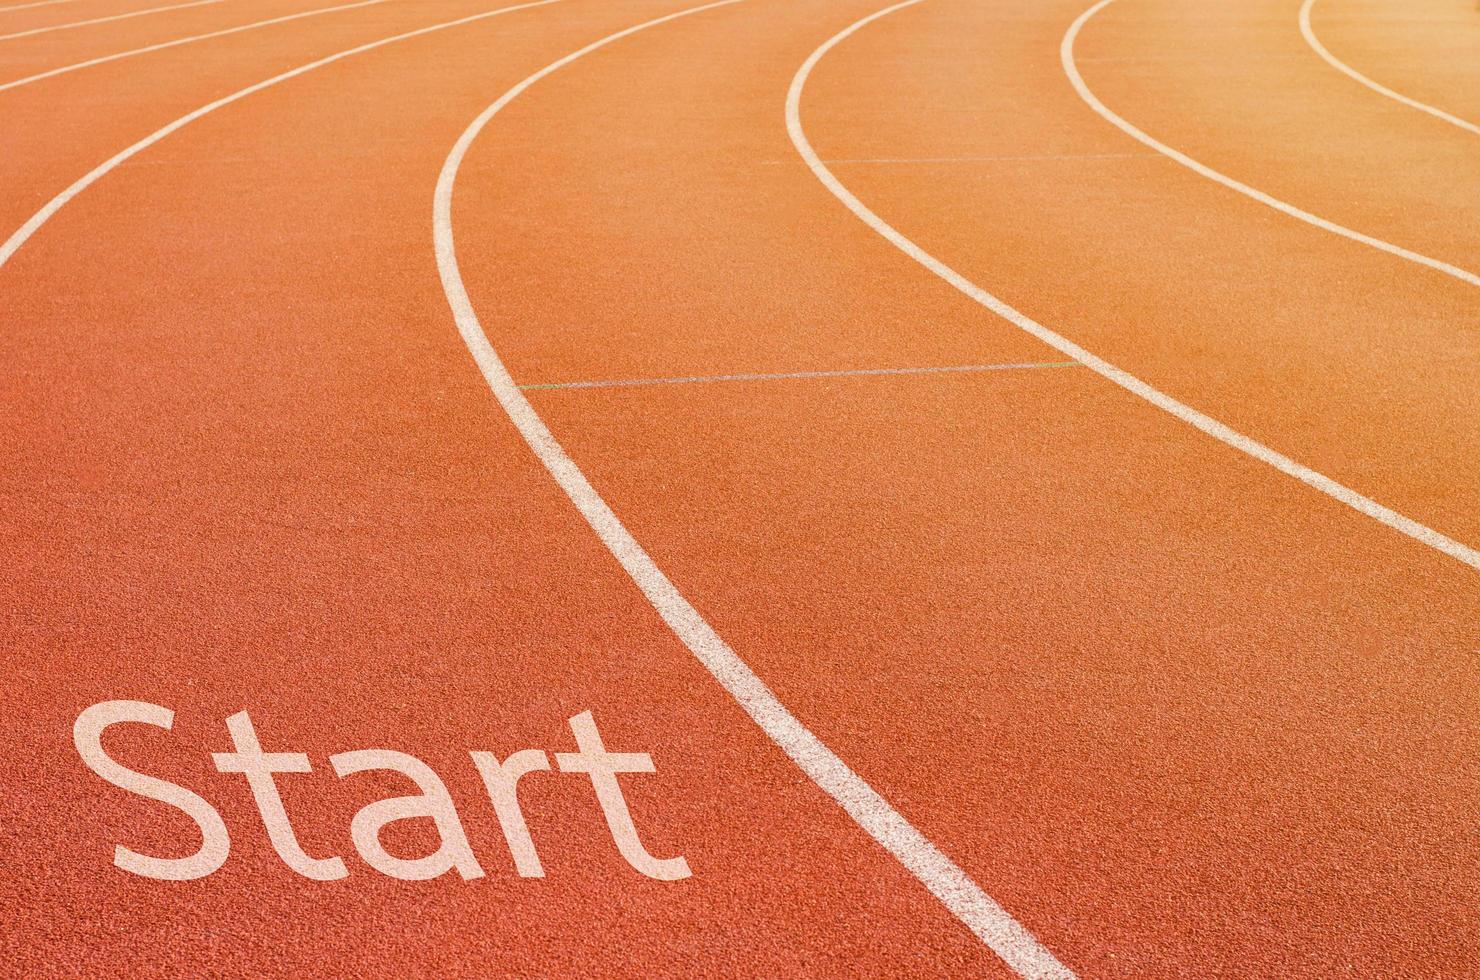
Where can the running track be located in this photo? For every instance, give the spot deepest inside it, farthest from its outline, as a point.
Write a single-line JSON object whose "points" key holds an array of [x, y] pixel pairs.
{"points": [[1132, 700]]}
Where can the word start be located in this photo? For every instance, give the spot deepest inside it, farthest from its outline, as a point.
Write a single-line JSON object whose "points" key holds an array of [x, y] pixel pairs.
{"points": [[435, 803]]}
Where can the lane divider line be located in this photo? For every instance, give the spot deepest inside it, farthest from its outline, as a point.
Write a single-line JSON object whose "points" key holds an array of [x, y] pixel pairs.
{"points": [[1205, 423], [791, 375], [105, 20], [1310, 38], [23, 234], [962, 896], [27, 80], [38, 3], [1066, 57]]}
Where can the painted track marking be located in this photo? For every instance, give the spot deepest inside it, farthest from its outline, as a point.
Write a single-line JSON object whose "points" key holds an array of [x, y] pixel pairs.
{"points": [[962, 896], [1066, 57], [17, 83], [37, 3], [105, 20], [1207, 424], [1310, 38], [34, 223], [794, 375], [1181, 57], [1002, 158]]}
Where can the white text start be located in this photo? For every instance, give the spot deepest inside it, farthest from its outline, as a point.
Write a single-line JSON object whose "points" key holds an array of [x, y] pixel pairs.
{"points": [[501, 780]]}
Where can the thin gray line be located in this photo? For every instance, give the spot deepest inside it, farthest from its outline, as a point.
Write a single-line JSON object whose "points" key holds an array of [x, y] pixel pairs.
{"points": [[1191, 54], [1008, 158], [1205, 423], [789, 375], [962, 896]]}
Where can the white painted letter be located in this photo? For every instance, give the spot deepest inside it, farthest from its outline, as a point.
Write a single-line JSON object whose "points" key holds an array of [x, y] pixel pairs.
{"points": [[435, 802], [502, 782], [87, 735], [258, 767], [602, 766]]}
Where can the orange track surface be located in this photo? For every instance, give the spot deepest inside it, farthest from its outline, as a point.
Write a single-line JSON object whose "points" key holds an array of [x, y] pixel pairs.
{"points": [[1178, 713]]}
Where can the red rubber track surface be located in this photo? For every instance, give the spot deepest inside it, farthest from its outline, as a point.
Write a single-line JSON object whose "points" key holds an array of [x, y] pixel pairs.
{"points": [[1178, 713]]}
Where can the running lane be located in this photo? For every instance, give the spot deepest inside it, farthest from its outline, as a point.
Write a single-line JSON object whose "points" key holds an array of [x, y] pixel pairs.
{"points": [[1350, 360], [1428, 50], [1177, 712], [1237, 88], [58, 129], [45, 26], [27, 56], [251, 466]]}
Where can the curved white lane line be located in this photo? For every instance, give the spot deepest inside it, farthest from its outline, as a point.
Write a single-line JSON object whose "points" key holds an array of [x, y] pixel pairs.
{"points": [[38, 3], [25, 231], [872, 812], [1211, 426], [105, 20], [1379, 88], [27, 80], [1066, 56]]}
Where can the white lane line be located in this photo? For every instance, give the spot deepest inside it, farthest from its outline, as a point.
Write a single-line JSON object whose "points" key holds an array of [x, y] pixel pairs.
{"points": [[38, 3], [17, 83], [795, 375], [1008, 158], [1066, 56], [871, 811], [1379, 88], [34, 223], [105, 20], [1365, 505]]}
